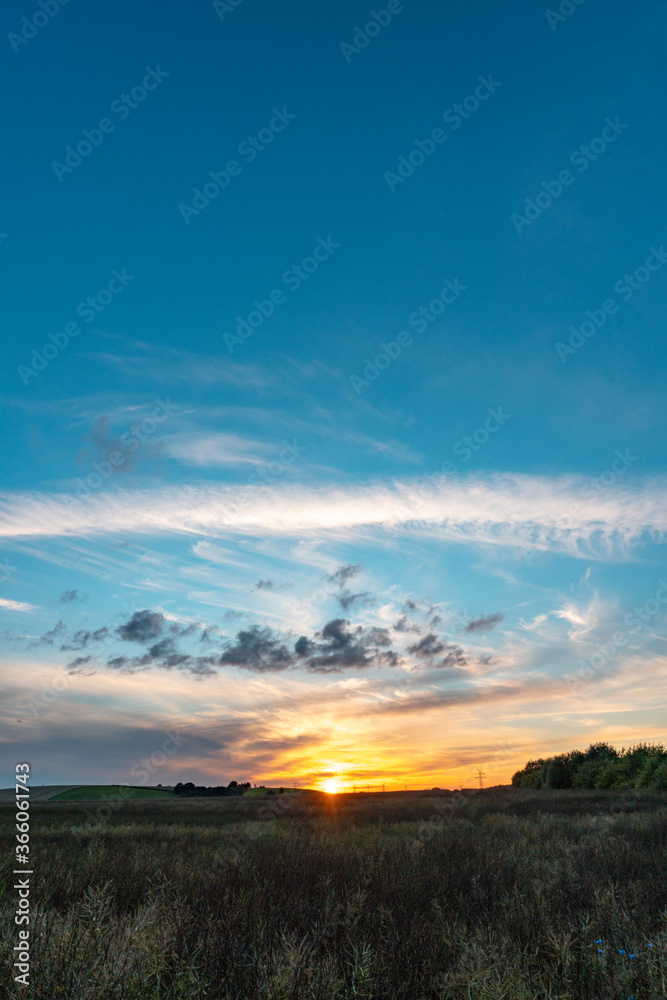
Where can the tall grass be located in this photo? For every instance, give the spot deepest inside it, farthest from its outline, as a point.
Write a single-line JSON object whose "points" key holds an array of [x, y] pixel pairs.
{"points": [[500, 895]]}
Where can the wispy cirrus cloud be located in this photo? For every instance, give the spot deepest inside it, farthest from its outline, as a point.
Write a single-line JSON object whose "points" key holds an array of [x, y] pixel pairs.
{"points": [[10, 605], [503, 509]]}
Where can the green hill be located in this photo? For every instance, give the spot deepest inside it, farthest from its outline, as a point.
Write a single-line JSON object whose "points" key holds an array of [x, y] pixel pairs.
{"points": [[93, 793]]}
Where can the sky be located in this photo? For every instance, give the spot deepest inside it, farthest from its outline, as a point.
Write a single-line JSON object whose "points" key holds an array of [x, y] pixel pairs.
{"points": [[333, 388]]}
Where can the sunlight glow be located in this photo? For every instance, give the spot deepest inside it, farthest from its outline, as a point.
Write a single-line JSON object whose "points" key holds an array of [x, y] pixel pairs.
{"points": [[332, 786]]}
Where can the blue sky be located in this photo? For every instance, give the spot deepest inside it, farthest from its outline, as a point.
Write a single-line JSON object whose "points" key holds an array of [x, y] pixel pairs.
{"points": [[406, 353]]}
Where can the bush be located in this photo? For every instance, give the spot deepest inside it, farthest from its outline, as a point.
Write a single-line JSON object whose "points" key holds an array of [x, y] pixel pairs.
{"points": [[601, 766]]}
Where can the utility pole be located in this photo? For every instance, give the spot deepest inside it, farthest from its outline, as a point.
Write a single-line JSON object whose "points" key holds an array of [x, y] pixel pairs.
{"points": [[480, 775]]}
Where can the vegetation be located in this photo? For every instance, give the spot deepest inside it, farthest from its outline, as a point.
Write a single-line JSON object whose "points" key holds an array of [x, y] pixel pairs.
{"points": [[601, 766], [96, 793], [190, 790], [501, 894]]}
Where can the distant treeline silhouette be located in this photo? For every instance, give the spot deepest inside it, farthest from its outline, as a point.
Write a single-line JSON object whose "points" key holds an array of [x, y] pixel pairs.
{"points": [[601, 766], [189, 790]]}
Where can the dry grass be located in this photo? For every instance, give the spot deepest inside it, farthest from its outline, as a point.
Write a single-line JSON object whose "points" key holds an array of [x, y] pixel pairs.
{"points": [[500, 895]]}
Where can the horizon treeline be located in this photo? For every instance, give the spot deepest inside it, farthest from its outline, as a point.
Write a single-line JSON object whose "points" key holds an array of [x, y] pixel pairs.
{"points": [[601, 766], [190, 790]]}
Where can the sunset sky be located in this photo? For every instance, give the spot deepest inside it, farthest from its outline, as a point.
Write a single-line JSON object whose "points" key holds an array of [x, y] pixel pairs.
{"points": [[333, 388]]}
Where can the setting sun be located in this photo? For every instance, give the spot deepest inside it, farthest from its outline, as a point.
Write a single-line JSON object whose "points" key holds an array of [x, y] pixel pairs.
{"points": [[332, 786]]}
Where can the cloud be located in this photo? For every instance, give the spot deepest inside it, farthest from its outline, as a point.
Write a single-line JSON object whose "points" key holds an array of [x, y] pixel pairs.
{"points": [[258, 649], [15, 605], [348, 600], [509, 509], [406, 624], [264, 585], [83, 638], [142, 627], [50, 637], [338, 647], [68, 596], [430, 646], [82, 665], [217, 450], [343, 574], [485, 623]]}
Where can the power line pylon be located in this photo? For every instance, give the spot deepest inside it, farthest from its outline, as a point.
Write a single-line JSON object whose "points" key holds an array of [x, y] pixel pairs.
{"points": [[480, 775]]}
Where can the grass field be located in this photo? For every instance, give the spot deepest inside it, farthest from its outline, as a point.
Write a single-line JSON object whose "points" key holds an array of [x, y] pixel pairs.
{"points": [[98, 793], [505, 894]]}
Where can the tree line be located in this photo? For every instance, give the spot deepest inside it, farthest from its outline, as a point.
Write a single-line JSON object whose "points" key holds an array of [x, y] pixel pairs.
{"points": [[601, 766], [190, 790]]}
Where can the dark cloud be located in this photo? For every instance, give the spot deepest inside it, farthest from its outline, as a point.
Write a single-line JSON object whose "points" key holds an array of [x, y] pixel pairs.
{"points": [[347, 599], [142, 627], [343, 574], [259, 649], [264, 585], [406, 624], [430, 646], [83, 638], [82, 665], [164, 655], [485, 623], [341, 647], [456, 657], [49, 638], [337, 647], [427, 647], [68, 596]]}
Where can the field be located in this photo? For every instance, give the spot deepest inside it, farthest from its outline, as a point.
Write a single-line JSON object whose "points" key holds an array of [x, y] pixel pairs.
{"points": [[505, 894], [95, 793]]}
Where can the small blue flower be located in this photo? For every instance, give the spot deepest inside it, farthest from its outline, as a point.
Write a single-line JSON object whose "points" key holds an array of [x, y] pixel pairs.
{"points": [[650, 945], [600, 951], [599, 941], [621, 951], [633, 956]]}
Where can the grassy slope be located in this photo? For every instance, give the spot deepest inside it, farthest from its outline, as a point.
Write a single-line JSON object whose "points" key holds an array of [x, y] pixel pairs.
{"points": [[95, 793]]}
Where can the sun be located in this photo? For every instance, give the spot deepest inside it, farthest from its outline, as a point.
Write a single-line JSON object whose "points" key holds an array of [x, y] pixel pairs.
{"points": [[331, 786]]}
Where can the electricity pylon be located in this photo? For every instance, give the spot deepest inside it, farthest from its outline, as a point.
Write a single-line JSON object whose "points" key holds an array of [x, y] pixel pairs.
{"points": [[480, 775]]}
